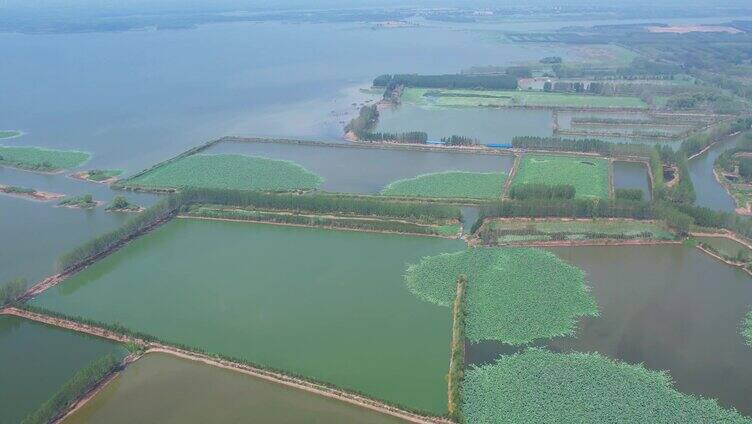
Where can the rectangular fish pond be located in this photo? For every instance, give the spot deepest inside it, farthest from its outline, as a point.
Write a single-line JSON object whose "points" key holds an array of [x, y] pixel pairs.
{"points": [[326, 305], [161, 388], [669, 307]]}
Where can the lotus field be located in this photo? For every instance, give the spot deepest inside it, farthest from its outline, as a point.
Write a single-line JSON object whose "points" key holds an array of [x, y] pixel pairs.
{"points": [[451, 184], [589, 176], [538, 386], [239, 172], [514, 296], [39, 159]]}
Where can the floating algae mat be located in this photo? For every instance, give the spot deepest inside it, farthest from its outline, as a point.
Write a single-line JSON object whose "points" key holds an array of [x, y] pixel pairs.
{"points": [[328, 305], [513, 295], [160, 388], [36, 360]]}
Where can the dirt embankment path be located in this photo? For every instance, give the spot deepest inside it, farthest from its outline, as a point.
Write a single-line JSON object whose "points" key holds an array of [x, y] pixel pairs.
{"points": [[267, 375]]}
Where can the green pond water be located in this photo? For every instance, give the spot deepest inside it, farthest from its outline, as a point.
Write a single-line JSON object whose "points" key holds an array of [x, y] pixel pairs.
{"points": [[632, 175], [488, 125], [36, 360], [328, 305], [367, 171], [160, 388], [671, 308], [725, 246]]}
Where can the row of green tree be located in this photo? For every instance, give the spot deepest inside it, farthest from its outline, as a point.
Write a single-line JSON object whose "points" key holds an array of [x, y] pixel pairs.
{"points": [[103, 243], [318, 221], [314, 202], [466, 81], [11, 291], [697, 142], [541, 191], [74, 388], [584, 145], [730, 162], [412, 137], [366, 120], [459, 140]]}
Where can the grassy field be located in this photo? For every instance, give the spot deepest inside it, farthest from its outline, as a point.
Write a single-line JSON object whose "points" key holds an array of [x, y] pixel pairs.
{"points": [[509, 231], [589, 176], [451, 184], [238, 172], [40, 159], [496, 98], [9, 133], [538, 386], [514, 296]]}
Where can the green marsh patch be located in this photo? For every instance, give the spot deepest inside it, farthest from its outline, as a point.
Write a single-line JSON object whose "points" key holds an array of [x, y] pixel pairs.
{"points": [[228, 171], [514, 296], [429, 97], [327, 305], [9, 133], [450, 184], [40, 159], [589, 176], [538, 386]]}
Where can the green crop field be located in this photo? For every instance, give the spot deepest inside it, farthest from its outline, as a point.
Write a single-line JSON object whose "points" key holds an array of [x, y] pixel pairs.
{"points": [[513, 295], [451, 184], [589, 176], [538, 386], [238, 172], [508, 231], [40, 159], [9, 133], [428, 97]]}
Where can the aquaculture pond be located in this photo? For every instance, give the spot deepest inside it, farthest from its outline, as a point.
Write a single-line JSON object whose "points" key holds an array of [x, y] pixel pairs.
{"points": [[672, 308], [36, 360], [255, 292], [160, 388], [632, 175], [365, 170], [488, 125]]}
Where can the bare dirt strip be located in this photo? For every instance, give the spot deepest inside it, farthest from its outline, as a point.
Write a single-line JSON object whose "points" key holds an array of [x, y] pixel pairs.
{"points": [[272, 376], [510, 177]]}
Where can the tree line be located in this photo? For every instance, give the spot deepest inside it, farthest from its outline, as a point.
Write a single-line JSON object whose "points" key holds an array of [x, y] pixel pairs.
{"points": [[541, 191], [482, 82], [74, 388], [11, 291], [411, 137], [459, 140]]}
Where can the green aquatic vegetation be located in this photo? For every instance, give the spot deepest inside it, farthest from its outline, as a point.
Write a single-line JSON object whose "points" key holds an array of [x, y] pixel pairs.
{"points": [[513, 295], [40, 159], [102, 174], [229, 171], [451, 184], [85, 202], [9, 133], [538, 386], [589, 176]]}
